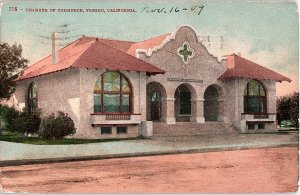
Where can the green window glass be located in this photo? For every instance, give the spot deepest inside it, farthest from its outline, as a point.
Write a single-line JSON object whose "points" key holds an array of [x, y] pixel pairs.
{"points": [[112, 93], [32, 97], [97, 103], [111, 102], [111, 81], [255, 98], [125, 103]]}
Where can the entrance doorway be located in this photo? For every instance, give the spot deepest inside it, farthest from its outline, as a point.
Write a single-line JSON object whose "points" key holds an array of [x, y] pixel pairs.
{"points": [[155, 104], [183, 108], [211, 107]]}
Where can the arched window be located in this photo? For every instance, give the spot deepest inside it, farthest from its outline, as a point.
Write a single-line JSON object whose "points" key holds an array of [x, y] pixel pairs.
{"points": [[255, 98], [32, 97], [112, 93]]}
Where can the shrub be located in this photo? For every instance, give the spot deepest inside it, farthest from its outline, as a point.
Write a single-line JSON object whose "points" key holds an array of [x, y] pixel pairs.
{"points": [[28, 122], [57, 127], [9, 115], [24, 122]]}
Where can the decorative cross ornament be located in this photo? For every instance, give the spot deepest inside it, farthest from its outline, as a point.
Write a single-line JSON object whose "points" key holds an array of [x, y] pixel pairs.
{"points": [[186, 52]]}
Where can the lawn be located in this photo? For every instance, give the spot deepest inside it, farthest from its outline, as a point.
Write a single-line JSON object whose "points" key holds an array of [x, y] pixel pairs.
{"points": [[14, 137]]}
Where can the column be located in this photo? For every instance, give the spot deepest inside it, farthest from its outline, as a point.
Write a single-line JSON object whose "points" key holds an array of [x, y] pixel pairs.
{"points": [[197, 111], [222, 111], [168, 110]]}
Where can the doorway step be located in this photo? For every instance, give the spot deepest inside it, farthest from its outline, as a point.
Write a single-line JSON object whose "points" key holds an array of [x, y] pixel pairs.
{"points": [[161, 129]]}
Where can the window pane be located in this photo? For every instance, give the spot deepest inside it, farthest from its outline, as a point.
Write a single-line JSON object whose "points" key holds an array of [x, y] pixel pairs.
{"points": [[121, 130], [112, 102], [111, 81], [256, 99], [155, 96], [98, 87], [262, 105], [125, 85], [30, 93], [106, 130], [125, 103], [253, 88], [261, 125], [253, 105], [34, 89], [33, 104], [262, 91], [245, 104], [251, 126], [97, 103]]}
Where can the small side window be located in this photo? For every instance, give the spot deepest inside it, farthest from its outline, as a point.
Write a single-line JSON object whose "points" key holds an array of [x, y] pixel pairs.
{"points": [[121, 130], [261, 125], [106, 130], [251, 126]]}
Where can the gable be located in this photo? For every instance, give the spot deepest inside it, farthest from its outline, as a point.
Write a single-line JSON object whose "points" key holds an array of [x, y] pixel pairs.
{"points": [[171, 53]]}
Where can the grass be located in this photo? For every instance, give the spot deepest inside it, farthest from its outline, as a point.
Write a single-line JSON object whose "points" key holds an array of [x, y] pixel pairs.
{"points": [[17, 138]]}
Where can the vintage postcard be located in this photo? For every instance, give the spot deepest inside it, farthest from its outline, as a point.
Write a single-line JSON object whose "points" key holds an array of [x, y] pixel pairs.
{"points": [[149, 96]]}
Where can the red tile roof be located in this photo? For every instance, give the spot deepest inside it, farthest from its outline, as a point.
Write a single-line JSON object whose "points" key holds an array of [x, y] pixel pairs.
{"points": [[103, 56], [121, 45], [147, 44], [238, 67], [91, 52]]}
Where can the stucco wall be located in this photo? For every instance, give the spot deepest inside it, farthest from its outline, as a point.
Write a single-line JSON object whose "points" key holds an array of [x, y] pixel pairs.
{"points": [[55, 92], [235, 98], [203, 66], [88, 78], [71, 91]]}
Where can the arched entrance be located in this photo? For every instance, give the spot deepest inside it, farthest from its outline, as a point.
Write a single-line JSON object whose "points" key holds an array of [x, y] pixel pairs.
{"points": [[183, 106], [155, 94], [213, 104]]}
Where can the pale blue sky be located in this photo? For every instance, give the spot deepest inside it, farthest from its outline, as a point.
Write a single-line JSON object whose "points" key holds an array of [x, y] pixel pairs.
{"points": [[266, 32]]}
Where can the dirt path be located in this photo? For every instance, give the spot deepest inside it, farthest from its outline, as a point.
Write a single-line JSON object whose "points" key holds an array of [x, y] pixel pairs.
{"points": [[255, 170]]}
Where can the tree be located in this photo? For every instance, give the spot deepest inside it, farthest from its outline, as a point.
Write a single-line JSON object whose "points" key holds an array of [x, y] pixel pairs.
{"points": [[288, 108], [11, 62]]}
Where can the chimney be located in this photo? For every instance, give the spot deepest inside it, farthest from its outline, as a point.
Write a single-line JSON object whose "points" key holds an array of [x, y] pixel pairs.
{"points": [[230, 61], [54, 48], [239, 54]]}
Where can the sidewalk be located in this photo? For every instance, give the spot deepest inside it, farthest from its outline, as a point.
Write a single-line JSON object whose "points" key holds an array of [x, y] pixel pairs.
{"points": [[17, 153]]}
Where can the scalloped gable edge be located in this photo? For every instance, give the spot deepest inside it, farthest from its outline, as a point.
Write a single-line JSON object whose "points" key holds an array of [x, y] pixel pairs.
{"points": [[150, 51]]}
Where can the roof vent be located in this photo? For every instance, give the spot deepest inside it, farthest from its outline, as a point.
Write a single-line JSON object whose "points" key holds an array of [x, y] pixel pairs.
{"points": [[54, 48]]}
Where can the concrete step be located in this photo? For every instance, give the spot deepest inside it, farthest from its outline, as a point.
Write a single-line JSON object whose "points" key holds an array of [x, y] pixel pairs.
{"points": [[190, 128]]}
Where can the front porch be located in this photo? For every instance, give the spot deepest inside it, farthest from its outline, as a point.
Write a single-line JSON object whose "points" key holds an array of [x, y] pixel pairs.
{"points": [[182, 104]]}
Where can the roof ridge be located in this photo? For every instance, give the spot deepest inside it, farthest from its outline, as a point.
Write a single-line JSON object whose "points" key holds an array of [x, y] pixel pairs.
{"points": [[128, 54], [72, 66], [154, 37], [109, 39]]}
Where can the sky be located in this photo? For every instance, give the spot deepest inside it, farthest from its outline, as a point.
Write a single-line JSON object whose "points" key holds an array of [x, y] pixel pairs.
{"points": [[265, 32]]}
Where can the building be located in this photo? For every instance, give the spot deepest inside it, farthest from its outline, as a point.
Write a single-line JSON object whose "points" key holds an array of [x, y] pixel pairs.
{"points": [[114, 88]]}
